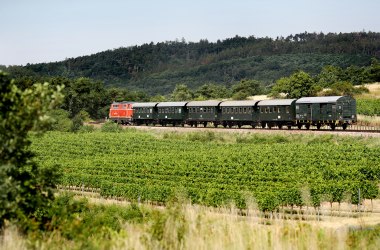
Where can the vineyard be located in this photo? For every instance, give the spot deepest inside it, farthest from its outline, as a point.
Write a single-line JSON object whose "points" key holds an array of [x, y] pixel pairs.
{"points": [[213, 170]]}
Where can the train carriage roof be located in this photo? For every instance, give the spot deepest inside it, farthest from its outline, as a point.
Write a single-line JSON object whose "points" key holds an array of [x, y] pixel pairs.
{"points": [[248, 103], [203, 104], [144, 104], [319, 99], [171, 104], [276, 102]]}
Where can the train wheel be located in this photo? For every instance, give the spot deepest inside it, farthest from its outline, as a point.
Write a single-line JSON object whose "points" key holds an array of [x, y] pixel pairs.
{"points": [[332, 126], [344, 126], [224, 125], [205, 124], [289, 127], [253, 126], [263, 124], [195, 124], [299, 126], [239, 125], [215, 124], [230, 125], [307, 126], [318, 126], [182, 124], [279, 126]]}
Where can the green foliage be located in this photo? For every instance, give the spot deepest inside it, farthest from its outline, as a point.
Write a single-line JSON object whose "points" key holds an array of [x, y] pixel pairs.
{"points": [[157, 68], [78, 120], [299, 84], [61, 121], [245, 88], [358, 237], [212, 91], [181, 93], [85, 225], [345, 88], [26, 188], [112, 127], [368, 107], [329, 75]]}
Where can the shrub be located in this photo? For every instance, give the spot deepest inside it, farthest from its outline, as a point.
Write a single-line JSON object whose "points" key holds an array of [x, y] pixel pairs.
{"points": [[111, 126]]}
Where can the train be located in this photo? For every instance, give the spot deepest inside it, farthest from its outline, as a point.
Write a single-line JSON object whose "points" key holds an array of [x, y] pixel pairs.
{"points": [[331, 111]]}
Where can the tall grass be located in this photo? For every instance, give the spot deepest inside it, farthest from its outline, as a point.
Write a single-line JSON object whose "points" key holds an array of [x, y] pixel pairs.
{"points": [[184, 226]]}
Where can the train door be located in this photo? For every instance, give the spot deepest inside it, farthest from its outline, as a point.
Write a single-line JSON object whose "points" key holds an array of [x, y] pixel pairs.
{"points": [[315, 112]]}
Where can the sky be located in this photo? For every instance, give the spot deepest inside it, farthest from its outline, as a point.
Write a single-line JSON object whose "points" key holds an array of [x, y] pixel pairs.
{"points": [[36, 31]]}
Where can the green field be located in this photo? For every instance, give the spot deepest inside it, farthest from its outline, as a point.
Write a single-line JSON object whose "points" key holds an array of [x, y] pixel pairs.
{"points": [[215, 169]]}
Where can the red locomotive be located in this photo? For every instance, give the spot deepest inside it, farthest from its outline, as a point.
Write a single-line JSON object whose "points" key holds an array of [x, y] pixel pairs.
{"points": [[121, 112]]}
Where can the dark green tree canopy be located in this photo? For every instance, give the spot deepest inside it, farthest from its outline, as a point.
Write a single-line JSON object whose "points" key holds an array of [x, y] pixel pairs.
{"points": [[245, 88], [181, 93], [299, 84]]}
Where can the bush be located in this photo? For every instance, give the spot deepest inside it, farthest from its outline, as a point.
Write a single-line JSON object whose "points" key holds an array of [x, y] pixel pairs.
{"points": [[111, 126], [61, 120], [86, 129]]}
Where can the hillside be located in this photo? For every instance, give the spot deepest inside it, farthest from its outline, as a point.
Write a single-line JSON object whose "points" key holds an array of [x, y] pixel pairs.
{"points": [[157, 68]]}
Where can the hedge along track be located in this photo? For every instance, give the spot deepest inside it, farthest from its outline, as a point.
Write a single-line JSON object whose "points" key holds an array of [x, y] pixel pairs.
{"points": [[358, 130]]}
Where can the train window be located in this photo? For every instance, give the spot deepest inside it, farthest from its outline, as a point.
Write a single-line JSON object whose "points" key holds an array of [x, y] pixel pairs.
{"points": [[287, 109], [179, 110], [151, 111], [270, 109], [212, 110], [159, 110], [278, 110], [244, 110], [115, 106], [199, 110], [227, 110], [297, 107], [240, 110]]}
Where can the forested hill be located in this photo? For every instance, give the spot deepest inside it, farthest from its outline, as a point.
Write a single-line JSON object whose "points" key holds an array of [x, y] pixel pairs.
{"points": [[157, 68]]}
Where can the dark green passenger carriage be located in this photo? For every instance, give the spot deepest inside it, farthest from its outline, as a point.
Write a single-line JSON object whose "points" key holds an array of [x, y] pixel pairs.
{"points": [[239, 113], [173, 113], [145, 113], [332, 111], [203, 112], [277, 112]]}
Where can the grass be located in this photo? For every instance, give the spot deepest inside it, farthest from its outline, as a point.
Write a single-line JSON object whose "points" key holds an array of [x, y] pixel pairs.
{"points": [[184, 226]]}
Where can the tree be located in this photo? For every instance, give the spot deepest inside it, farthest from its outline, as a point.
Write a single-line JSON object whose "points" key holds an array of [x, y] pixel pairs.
{"points": [[329, 75], [245, 88], [211, 91], [181, 93], [25, 188], [299, 84]]}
